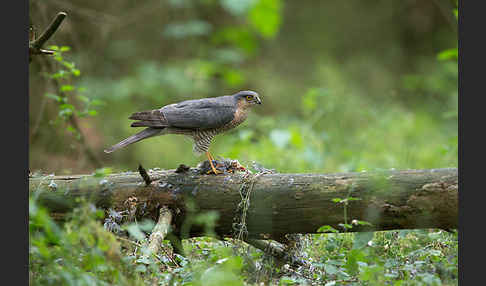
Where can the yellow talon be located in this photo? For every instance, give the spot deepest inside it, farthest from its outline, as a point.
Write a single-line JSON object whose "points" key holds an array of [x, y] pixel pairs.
{"points": [[210, 158]]}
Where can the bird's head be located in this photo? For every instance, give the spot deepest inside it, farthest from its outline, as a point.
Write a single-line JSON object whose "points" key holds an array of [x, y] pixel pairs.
{"points": [[247, 97]]}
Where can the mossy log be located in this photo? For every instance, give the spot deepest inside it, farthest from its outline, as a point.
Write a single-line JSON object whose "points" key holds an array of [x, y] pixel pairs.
{"points": [[277, 203]]}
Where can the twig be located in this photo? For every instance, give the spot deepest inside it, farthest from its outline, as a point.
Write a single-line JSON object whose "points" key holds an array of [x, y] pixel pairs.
{"points": [[129, 241], [144, 174], [277, 250], [39, 42], [445, 8], [35, 45]]}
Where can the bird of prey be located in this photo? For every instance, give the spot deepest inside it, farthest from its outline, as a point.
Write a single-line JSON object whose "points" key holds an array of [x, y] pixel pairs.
{"points": [[200, 119]]}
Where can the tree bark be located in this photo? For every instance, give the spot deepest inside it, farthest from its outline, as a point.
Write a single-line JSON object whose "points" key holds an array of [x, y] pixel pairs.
{"points": [[277, 204]]}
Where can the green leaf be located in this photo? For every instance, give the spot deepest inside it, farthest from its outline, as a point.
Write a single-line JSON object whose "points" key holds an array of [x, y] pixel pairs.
{"points": [[237, 7], [265, 17], [362, 222], [53, 96], [83, 98], [237, 36], [141, 268], [143, 260], [331, 269], [59, 74], [361, 239], [66, 110], [68, 65], [102, 172], [66, 106], [353, 257], [65, 49], [327, 228], [96, 102], [345, 225], [71, 129], [233, 77], [450, 54], [66, 87], [134, 231]]}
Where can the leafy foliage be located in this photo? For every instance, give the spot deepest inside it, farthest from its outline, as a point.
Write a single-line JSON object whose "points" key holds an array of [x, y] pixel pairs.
{"points": [[67, 91], [359, 87], [80, 251]]}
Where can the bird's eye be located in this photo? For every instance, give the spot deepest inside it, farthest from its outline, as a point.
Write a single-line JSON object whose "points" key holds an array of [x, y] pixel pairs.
{"points": [[249, 97]]}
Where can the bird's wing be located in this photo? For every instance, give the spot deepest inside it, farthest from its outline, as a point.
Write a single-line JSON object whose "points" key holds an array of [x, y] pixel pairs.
{"points": [[201, 114], [196, 114], [150, 118]]}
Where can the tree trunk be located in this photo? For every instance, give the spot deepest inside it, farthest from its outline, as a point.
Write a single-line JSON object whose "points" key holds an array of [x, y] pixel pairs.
{"points": [[272, 205]]}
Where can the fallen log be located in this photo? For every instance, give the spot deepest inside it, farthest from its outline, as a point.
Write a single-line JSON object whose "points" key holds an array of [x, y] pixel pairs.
{"points": [[269, 205]]}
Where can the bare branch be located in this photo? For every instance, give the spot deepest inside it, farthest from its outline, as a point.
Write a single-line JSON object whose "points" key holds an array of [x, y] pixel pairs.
{"points": [[280, 203], [39, 42], [160, 230]]}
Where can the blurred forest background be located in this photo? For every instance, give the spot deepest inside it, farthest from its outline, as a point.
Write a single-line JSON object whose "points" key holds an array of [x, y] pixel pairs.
{"points": [[345, 85]]}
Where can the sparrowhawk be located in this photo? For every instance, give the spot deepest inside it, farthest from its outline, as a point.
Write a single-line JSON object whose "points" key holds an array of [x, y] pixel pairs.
{"points": [[200, 119]]}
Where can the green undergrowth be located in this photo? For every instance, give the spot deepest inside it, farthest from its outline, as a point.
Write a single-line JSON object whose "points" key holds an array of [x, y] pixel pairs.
{"points": [[79, 250]]}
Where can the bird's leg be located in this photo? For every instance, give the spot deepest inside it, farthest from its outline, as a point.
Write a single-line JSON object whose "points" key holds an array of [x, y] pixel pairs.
{"points": [[210, 156], [211, 163]]}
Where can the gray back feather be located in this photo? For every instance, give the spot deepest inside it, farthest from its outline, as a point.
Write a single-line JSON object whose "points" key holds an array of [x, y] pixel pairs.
{"points": [[203, 113]]}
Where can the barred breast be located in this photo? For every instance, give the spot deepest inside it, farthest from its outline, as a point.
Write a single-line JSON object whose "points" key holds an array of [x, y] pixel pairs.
{"points": [[203, 138]]}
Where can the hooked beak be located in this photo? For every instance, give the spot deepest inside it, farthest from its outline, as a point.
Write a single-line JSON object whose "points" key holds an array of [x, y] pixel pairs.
{"points": [[258, 101]]}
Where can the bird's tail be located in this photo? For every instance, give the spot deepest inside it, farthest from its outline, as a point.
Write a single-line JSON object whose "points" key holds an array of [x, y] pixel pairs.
{"points": [[146, 133]]}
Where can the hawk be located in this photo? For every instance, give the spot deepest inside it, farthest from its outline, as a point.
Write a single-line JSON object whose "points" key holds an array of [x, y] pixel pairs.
{"points": [[200, 119]]}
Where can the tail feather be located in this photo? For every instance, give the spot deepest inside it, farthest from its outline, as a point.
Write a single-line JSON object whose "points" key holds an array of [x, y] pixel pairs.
{"points": [[146, 133]]}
